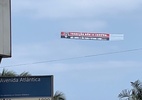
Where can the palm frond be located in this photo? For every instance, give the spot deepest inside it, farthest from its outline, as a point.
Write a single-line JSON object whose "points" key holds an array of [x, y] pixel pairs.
{"points": [[137, 85], [6, 73], [134, 94], [125, 94], [59, 96], [25, 74]]}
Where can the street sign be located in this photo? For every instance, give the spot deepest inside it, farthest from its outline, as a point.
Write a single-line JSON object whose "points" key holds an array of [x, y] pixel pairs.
{"points": [[27, 88], [47, 98]]}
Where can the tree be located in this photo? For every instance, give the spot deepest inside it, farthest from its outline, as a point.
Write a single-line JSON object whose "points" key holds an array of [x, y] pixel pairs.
{"points": [[134, 94], [7, 73], [59, 96]]}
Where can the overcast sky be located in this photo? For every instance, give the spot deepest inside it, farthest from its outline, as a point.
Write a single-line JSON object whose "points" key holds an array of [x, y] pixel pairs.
{"points": [[37, 46]]}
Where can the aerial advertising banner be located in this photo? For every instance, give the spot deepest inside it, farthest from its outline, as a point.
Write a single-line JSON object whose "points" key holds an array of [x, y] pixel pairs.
{"points": [[91, 36], [85, 35], [26, 88]]}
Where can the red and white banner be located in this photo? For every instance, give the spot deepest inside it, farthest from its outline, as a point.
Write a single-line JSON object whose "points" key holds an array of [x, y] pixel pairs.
{"points": [[85, 35]]}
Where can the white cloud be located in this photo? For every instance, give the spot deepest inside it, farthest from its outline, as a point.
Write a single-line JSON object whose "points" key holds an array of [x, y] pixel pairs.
{"points": [[54, 9], [85, 14], [84, 25]]}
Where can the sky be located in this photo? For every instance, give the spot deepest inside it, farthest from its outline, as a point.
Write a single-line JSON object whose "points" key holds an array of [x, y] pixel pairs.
{"points": [[82, 69]]}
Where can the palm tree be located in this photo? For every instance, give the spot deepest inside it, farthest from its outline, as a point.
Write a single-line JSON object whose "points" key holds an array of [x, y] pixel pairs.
{"points": [[59, 96], [7, 73], [133, 94]]}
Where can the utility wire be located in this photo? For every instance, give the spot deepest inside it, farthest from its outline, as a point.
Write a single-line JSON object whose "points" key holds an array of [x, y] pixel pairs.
{"points": [[72, 58]]}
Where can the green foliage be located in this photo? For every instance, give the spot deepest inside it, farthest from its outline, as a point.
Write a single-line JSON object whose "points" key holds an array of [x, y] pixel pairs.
{"points": [[25, 74], [59, 96], [7, 73], [134, 94]]}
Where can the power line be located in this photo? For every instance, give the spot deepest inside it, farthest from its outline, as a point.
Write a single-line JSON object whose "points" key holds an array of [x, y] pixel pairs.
{"points": [[72, 58]]}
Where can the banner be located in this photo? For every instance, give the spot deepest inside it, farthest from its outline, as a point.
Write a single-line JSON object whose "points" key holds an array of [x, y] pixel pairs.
{"points": [[85, 35]]}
